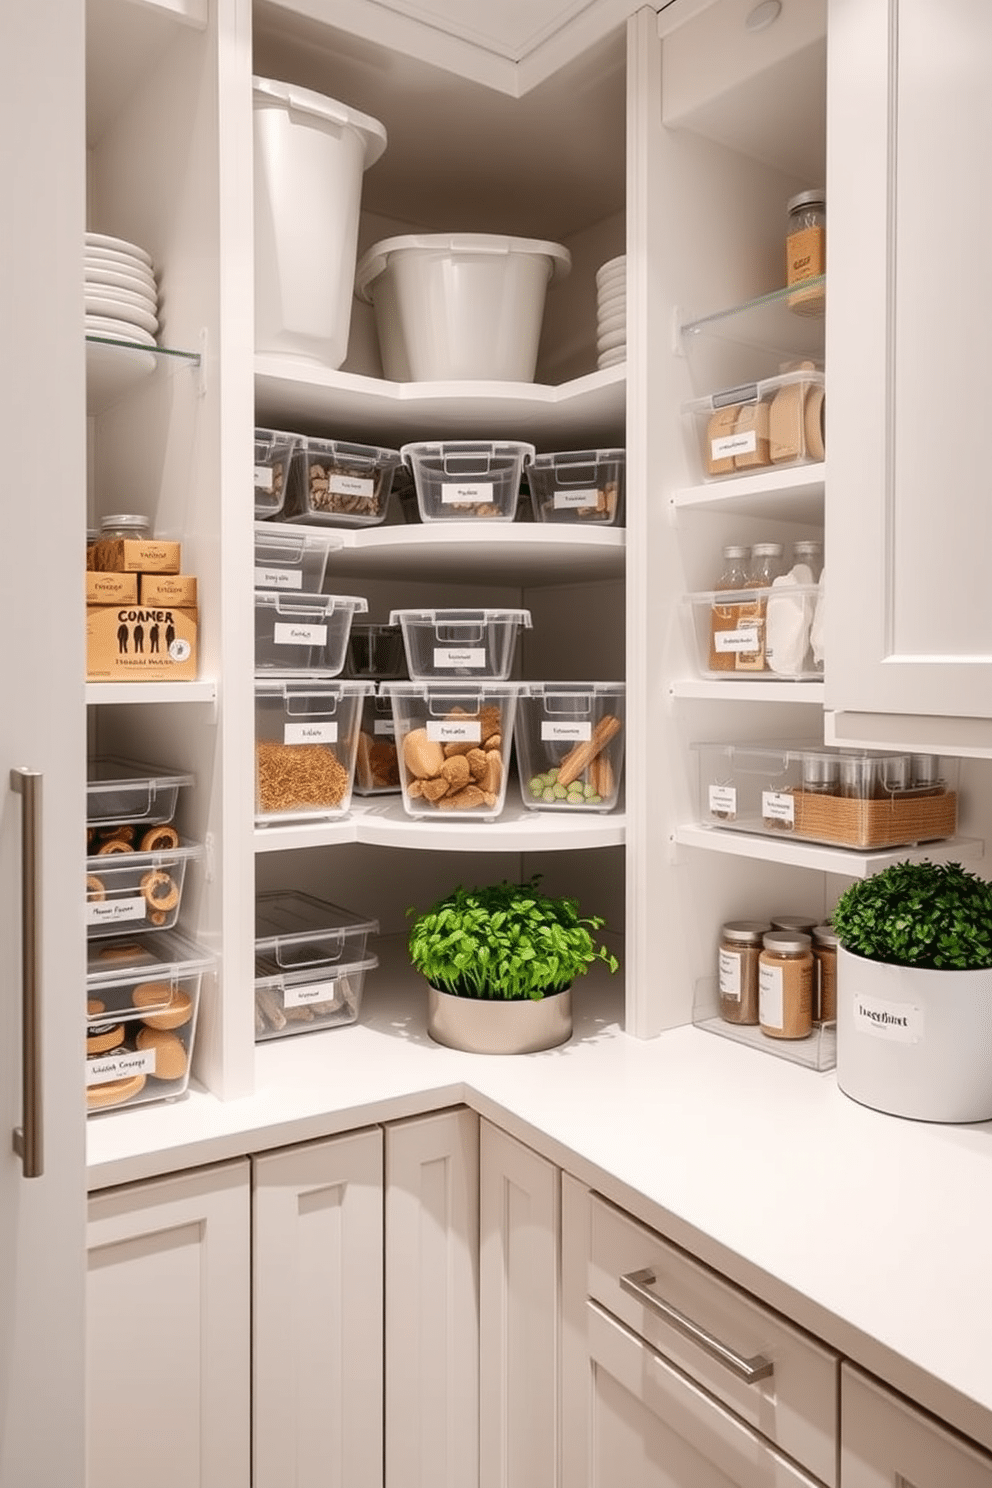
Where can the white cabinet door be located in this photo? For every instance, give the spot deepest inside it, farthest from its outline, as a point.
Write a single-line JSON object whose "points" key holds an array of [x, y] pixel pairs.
{"points": [[886, 1443], [168, 1332], [317, 1293], [432, 1289], [519, 1225], [909, 525]]}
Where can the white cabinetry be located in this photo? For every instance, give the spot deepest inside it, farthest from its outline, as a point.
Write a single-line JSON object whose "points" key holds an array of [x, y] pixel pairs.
{"points": [[887, 1443], [168, 1332]]}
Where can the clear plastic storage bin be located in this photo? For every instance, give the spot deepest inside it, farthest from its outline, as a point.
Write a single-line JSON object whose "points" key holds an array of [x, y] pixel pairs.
{"points": [[754, 634], [273, 452], [142, 1001], [375, 651], [303, 633], [377, 767], [453, 742], [461, 480], [778, 422], [127, 890], [341, 484], [310, 963], [584, 486], [477, 644], [306, 738], [123, 790], [847, 798], [294, 562], [569, 738]]}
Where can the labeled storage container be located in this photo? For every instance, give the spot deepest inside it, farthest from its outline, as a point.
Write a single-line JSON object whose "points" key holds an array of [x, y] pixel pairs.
{"points": [[122, 791], [128, 890], [846, 798], [377, 766], [569, 738], [340, 484], [585, 486], [273, 451], [306, 738], [776, 423], [310, 154], [453, 742], [461, 479], [142, 1002], [755, 634], [306, 632], [375, 651], [294, 562], [311, 958], [478, 644], [459, 306]]}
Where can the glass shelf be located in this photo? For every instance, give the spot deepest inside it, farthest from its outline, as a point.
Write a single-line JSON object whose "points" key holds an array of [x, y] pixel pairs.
{"points": [[114, 366], [749, 341]]}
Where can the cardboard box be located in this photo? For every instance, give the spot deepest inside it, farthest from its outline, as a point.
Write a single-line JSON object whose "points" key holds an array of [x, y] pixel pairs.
{"points": [[136, 555], [169, 589], [134, 643], [111, 588]]}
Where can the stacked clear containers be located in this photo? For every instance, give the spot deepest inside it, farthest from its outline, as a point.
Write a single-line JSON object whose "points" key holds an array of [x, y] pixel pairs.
{"points": [[570, 740], [311, 960]]}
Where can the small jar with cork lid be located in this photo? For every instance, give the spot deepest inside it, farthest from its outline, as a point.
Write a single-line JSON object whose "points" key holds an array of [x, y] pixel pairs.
{"points": [[785, 985], [737, 963]]}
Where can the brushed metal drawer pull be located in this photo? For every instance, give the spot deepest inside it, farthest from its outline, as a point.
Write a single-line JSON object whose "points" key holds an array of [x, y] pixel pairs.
{"points": [[638, 1283]]}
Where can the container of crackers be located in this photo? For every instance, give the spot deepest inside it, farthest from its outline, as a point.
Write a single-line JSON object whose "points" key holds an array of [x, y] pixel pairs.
{"points": [[135, 879], [570, 738], [453, 744], [306, 740], [773, 424], [311, 959]]}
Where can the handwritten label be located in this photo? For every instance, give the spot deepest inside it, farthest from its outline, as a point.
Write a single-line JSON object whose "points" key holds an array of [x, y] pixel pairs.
{"points": [[460, 656], [444, 731], [899, 1022], [552, 730], [568, 499], [300, 994], [745, 443], [278, 578], [118, 1066], [351, 485], [299, 635], [771, 1013], [778, 806], [723, 800], [730, 975], [310, 733], [116, 911], [455, 493]]}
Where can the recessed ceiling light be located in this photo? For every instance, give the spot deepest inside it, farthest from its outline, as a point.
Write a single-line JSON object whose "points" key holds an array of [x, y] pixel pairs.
{"points": [[763, 15]]}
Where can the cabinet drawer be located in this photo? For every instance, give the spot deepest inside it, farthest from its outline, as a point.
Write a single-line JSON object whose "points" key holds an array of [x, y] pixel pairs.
{"points": [[794, 1402]]}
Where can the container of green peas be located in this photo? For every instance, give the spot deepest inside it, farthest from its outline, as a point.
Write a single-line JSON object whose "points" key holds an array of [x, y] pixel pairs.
{"points": [[569, 740]]}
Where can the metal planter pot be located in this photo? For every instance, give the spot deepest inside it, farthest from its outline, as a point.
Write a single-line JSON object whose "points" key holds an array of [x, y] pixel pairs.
{"points": [[480, 1026]]}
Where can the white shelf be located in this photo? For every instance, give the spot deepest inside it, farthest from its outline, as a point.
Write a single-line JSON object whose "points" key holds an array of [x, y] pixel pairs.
{"points": [[152, 692], [748, 692], [795, 494], [821, 857]]}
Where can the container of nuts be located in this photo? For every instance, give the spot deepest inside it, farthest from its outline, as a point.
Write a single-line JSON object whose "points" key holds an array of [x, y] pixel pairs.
{"points": [[453, 743], [273, 452], [306, 740], [462, 480], [336, 484], [584, 486]]}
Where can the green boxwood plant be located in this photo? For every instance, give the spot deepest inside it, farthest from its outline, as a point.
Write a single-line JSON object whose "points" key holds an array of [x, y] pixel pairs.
{"points": [[935, 915], [504, 941]]}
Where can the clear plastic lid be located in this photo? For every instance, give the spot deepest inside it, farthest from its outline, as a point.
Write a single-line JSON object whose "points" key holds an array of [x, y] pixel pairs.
{"points": [[460, 617], [161, 955], [294, 929]]}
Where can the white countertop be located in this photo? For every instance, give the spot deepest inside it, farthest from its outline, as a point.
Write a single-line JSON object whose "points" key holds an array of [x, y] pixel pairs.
{"points": [[870, 1231]]}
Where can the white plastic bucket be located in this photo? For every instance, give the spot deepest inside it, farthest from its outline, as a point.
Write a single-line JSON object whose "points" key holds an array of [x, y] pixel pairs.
{"points": [[459, 306], [310, 156]]}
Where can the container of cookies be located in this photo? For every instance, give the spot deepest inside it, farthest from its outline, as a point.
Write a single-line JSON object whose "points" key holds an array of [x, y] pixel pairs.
{"points": [[453, 744], [303, 632], [292, 561], [273, 453], [306, 740], [121, 791], [128, 890], [569, 738], [311, 958], [583, 486], [472, 644], [773, 424], [142, 1001], [467, 480], [339, 484]]}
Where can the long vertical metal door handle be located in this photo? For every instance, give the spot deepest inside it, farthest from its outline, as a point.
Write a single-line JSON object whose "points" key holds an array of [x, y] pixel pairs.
{"points": [[28, 1142]]}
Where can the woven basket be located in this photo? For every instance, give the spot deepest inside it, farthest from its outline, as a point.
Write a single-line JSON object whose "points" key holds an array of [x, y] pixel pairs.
{"points": [[894, 821]]}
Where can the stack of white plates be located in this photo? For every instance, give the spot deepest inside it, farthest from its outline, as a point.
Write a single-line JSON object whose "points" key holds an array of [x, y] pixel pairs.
{"points": [[121, 295], [611, 312]]}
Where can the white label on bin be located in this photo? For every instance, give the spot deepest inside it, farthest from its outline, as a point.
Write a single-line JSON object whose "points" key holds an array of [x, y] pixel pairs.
{"points": [[723, 800], [454, 493], [278, 578], [460, 656], [552, 729], [447, 731], [778, 806], [310, 733], [299, 635], [771, 1013], [745, 443], [730, 975], [303, 993], [351, 485], [735, 640], [264, 478], [384, 727], [567, 499], [901, 1022], [116, 911], [117, 1066]]}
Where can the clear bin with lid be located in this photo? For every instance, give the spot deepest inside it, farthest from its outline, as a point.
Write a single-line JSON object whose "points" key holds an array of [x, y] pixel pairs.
{"points": [[377, 766], [478, 644], [273, 452], [569, 738], [463, 480], [375, 651], [142, 1002], [120, 791], [306, 738], [747, 635], [340, 484], [772, 424], [453, 743], [129, 890], [846, 798], [293, 562], [584, 486], [310, 963], [303, 632], [307, 1001]]}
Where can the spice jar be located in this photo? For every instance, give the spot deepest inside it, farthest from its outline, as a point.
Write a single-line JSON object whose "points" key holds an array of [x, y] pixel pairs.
{"points": [[737, 960], [785, 985], [803, 923], [825, 944], [765, 565], [809, 550], [125, 524], [723, 621], [806, 249]]}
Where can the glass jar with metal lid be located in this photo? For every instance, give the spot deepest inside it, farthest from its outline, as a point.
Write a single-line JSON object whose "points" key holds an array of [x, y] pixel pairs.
{"points": [[125, 524], [737, 963], [825, 943], [806, 249], [785, 985]]}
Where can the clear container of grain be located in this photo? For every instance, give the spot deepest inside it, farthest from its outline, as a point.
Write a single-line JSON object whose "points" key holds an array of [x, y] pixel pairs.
{"points": [[306, 740]]}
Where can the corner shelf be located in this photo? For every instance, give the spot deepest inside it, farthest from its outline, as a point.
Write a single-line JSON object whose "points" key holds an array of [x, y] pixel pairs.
{"points": [[819, 856]]}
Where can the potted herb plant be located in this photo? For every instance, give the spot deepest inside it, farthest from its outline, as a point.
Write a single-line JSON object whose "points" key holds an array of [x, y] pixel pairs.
{"points": [[500, 962], [914, 992]]}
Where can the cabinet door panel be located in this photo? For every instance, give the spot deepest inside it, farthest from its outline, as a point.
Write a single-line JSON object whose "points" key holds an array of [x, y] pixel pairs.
{"points": [[886, 1443], [317, 1292]]}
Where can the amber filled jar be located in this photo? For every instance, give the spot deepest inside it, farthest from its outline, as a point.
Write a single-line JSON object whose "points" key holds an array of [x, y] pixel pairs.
{"points": [[725, 617], [806, 250], [825, 944], [737, 960], [785, 985]]}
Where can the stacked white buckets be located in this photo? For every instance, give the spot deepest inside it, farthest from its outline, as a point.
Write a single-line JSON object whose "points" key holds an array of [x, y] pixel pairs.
{"points": [[310, 156]]}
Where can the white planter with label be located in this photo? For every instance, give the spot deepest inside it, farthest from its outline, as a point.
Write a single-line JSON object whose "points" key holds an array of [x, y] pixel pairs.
{"points": [[915, 1042]]}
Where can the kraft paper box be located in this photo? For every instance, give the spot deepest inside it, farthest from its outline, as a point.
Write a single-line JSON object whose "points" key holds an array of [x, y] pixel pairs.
{"points": [[137, 643], [169, 589], [111, 588], [136, 555]]}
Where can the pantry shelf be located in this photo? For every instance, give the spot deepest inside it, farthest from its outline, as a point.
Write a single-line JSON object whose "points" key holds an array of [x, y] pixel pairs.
{"points": [[749, 692], [821, 858], [152, 692], [795, 495]]}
